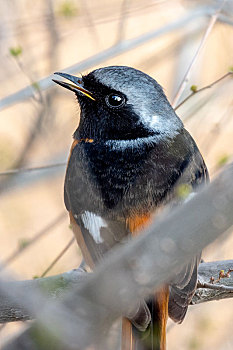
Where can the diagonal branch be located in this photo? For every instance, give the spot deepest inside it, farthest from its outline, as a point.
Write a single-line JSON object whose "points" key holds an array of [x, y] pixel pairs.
{"points": [[58, 286], [122, 279], [194, 92]]}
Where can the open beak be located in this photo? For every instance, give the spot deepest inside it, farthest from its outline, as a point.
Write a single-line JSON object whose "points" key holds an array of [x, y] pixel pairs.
{"points": [[75, 86]]}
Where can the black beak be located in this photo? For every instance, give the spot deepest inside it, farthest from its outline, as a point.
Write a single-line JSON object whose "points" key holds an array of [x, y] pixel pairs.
{"points": [[77, 85]]}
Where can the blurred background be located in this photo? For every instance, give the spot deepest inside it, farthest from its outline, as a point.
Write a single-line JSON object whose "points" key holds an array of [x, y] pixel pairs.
{"points": [[37, 120]]}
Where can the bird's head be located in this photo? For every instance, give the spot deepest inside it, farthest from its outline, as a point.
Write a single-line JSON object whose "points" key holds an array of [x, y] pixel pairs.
{"points": [[121, 103]]}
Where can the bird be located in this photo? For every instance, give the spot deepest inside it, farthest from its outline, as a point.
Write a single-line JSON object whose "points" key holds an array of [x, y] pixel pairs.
{"points": [[130, 156]]}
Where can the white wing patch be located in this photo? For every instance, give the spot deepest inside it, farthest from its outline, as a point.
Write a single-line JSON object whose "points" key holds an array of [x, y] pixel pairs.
{"points": [[93, 224]]}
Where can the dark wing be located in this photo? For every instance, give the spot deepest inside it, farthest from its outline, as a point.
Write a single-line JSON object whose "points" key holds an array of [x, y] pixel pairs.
{"points": [[93, 248], [183, 285]]}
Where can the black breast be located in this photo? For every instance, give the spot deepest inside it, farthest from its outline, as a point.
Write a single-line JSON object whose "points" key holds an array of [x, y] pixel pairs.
{"points": [[104, 178]]}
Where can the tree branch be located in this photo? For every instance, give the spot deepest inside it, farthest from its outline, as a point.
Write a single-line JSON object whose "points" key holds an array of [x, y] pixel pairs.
{"points": [[57, 286], [194, 92], [207, 291], [54, 287], [122, 279]]}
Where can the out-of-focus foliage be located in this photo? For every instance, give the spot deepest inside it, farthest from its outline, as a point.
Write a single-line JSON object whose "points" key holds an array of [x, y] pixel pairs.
{"points": [[16, 51], [68, 8]]}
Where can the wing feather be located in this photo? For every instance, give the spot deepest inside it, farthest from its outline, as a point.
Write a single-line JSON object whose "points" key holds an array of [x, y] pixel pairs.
{"points": [[183, 285]]}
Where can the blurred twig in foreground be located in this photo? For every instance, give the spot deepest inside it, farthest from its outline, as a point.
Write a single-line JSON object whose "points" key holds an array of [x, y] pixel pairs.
{"points": [[55, 288]]}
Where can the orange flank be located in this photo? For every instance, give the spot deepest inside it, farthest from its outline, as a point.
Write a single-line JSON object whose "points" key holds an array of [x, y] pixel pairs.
{"points": [[138, 222]]}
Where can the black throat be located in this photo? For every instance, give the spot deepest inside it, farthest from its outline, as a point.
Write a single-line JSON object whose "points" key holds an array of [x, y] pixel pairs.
{"points": [[111, 126], [114, 168]]}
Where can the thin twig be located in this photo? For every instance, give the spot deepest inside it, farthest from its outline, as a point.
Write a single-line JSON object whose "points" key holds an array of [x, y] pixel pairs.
{"points": [[187, 75], [34, 131], [47, 229], [219, 287], [25, 170], [60, 255], [202, 89], [36, 90]]}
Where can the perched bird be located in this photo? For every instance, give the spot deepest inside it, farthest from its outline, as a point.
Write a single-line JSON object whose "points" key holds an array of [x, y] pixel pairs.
{"points": [[130, 155]]}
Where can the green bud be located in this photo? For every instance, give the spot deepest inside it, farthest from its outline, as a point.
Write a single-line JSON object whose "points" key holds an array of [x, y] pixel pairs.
{"points": [[193, 88], [16, 51]]}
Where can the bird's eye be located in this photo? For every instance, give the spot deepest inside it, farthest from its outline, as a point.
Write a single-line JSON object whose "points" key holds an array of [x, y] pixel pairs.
{"points": [[114, 100]]}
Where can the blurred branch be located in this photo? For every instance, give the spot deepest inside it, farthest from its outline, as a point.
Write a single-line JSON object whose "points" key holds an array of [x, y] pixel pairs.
{"points": [[111, 52], [196, 91], [187, 75], [47, 229], [225, 19], [32, 135], [54, 287], [122, 279], [57, 286], [45, 107], [25, 170]]}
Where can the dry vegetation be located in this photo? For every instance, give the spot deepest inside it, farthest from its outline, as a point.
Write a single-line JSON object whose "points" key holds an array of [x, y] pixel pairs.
{"points": [[39, 38]]}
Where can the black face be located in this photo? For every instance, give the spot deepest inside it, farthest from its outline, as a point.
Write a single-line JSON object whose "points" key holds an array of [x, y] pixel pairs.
{"points": [[108, 117], [121, 103]]}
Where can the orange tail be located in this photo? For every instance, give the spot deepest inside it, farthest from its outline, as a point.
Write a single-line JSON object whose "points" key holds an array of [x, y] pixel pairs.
{"points": [[154, 338]]}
